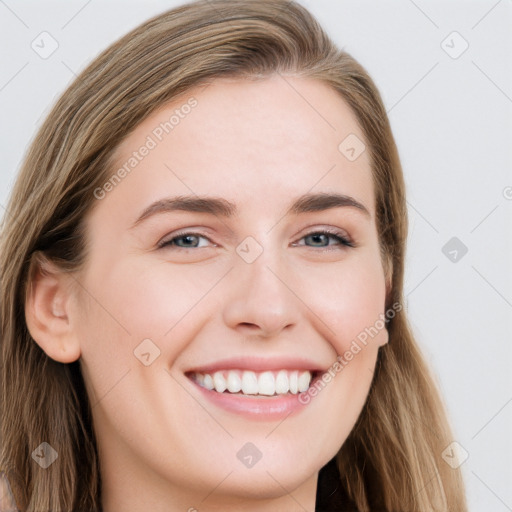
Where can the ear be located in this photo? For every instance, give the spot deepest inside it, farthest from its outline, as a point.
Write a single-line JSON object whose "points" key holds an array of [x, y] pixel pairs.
{"points": [[383, 337], [48, 302]]}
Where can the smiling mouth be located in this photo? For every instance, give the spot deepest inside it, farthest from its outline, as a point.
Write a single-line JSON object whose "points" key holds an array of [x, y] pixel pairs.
{"points": [[251, 383]]}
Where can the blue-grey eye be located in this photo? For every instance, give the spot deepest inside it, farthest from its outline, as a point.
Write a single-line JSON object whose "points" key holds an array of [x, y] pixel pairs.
{"points": [[322, 239], [191, 241]]}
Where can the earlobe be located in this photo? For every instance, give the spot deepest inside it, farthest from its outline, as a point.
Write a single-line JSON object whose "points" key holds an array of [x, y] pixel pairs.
{"points": [[48, 313], [383, 337]]}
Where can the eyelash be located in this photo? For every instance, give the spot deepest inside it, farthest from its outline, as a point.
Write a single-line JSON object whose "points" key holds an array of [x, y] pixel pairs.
{"points": [[343, 240]]}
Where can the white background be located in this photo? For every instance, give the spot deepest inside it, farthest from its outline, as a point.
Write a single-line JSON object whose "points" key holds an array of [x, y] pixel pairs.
{"points": [[452, 120]]}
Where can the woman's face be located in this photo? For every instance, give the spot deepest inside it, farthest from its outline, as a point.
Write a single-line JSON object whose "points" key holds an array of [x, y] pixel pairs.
{"points": [[234, 286]]}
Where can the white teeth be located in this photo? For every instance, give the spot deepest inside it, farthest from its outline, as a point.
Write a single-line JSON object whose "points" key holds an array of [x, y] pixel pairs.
{"points": [[304, 380], [249, 383], [294, 382], [266, 383], [208, 382], [234, 382], [282, 385], [219, 382]]}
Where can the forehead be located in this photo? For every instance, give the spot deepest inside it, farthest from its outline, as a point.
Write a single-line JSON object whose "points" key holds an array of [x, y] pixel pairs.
{"points": [[272, 138]]}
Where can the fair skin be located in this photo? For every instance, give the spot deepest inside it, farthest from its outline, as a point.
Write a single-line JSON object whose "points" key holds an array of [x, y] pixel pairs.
{"points": [[164, 443]]}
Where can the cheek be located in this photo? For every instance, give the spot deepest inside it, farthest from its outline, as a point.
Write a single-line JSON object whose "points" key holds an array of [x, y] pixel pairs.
{"points": [[349, 303], [350, 300], [156, 299], [132, 302]]}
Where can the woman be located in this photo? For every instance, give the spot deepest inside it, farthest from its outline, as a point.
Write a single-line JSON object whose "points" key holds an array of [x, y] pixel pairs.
{"points": [[140, 373]]}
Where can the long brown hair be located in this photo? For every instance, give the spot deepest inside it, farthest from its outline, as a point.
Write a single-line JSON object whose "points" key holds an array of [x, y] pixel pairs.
{"points": [[392, 459]]}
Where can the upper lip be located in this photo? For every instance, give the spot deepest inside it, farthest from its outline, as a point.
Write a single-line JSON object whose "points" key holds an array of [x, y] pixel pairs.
{"points": [[259, 364]]}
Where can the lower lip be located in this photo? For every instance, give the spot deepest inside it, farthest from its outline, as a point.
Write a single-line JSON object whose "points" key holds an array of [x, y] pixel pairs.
{"points": [[255, 407]]}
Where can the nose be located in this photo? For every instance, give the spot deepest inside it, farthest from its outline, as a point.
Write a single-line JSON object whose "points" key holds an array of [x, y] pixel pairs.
{"points": [[261, 299]]}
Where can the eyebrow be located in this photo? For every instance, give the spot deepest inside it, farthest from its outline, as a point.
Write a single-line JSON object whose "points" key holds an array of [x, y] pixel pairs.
{"points": [[221, 207]]}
